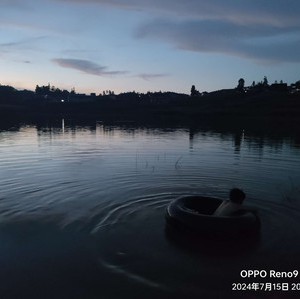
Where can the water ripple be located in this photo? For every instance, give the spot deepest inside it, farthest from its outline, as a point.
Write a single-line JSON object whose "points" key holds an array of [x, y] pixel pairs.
{"points": [[113, 187], [115, 213]]}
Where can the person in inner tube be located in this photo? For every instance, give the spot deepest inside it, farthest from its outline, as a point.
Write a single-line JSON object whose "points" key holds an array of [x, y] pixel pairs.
{"points": [[232, 206]]}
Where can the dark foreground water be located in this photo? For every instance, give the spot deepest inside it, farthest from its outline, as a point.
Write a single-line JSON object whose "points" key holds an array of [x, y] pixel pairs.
{"points": [[82, 211]]}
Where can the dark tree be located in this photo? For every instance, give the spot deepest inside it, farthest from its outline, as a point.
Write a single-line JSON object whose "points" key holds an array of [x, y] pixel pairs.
{"points": [[42, 90], [194, 91], [241, 85]]}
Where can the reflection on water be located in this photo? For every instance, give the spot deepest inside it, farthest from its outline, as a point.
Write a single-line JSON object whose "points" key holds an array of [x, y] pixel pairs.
{"points": [[82, 209]]}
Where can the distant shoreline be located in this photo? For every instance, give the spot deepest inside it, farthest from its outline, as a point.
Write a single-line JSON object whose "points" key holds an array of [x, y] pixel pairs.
{"points": [[263, 103], [264, 106]]}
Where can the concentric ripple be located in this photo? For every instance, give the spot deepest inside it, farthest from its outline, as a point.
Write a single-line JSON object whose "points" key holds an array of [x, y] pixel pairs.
{"points": [[83, 210]]}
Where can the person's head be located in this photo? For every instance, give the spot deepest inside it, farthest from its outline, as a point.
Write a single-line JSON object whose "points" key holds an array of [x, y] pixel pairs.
{"points": [[237, 195]]}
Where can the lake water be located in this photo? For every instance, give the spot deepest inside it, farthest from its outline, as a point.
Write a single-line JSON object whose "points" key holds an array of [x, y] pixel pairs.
{"points": [[82, 210]]}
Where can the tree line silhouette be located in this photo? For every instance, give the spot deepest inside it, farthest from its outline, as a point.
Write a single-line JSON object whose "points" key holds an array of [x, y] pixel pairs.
{"points": [[260, 99]]}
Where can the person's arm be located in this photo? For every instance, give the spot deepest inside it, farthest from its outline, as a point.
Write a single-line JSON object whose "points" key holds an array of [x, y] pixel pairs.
{"points": [[219, 209]]}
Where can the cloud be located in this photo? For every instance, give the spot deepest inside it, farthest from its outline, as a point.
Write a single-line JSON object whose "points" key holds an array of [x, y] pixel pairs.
{"points": [[266, 31], [22, 42], [148, 76], [86, 66], [278, 12], [26, 45], [267, 43], [14, 4]]}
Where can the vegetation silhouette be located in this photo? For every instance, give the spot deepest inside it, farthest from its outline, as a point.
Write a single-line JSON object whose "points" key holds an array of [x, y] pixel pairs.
{"points": [[241, 85], [277, 101]]}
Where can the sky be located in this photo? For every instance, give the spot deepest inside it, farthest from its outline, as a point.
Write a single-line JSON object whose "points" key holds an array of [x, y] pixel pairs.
{"points": [[139, 45]]}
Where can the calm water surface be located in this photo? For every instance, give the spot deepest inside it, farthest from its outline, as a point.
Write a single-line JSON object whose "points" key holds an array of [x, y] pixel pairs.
{"points": [[82, 210]]}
